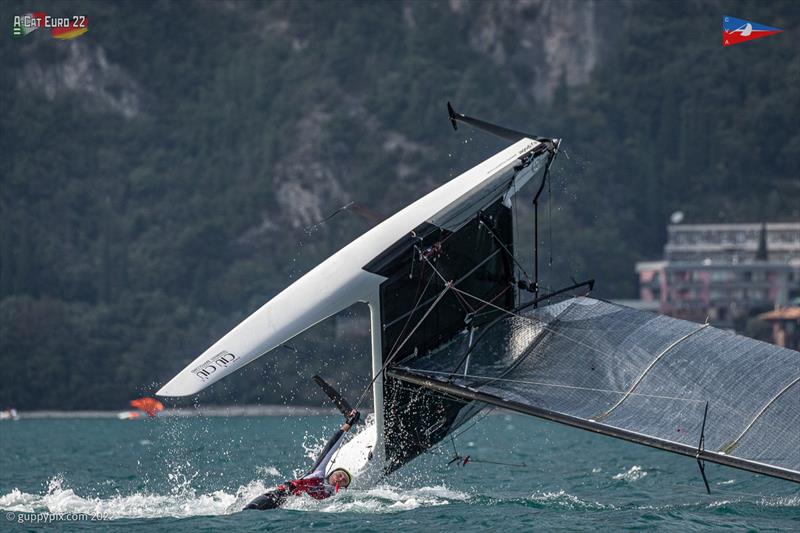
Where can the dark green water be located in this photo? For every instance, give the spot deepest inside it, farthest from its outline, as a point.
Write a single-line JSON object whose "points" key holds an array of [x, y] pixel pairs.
{"points": [[181, 475]]}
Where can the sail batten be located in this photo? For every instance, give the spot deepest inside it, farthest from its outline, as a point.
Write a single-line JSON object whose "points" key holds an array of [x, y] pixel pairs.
{"points": [[761, 412], [649, 367]]}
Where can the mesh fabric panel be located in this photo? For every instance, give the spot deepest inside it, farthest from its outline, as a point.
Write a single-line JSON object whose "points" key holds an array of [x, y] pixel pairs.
{"points": [[637, 371]]}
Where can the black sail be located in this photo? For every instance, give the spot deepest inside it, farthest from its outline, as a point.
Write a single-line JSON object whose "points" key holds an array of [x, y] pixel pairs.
{"points": [[419, 315]]}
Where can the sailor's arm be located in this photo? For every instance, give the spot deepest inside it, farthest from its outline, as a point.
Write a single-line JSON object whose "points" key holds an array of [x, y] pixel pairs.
{"points": [[318, 470]]}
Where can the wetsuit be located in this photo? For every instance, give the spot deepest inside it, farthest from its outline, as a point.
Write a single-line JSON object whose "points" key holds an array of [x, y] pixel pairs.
{"points": [[314, 483]]}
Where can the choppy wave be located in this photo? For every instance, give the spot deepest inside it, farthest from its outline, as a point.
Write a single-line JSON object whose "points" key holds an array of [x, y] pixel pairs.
{"points": [[187, 502], [780, 501], [730, 499], [381, 499], [634, 473], [563, 499], [760, 501]]}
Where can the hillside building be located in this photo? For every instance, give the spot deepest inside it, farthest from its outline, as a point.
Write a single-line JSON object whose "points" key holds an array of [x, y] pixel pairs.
{"points": [[723, 272]]}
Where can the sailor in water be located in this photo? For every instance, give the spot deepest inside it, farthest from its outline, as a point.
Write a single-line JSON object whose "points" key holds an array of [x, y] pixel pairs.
{"points": [[315, 484]]}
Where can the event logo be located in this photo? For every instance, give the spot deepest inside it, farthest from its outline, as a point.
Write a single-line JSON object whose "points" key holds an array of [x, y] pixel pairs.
{"points": [[60, 27], [735, 31]]}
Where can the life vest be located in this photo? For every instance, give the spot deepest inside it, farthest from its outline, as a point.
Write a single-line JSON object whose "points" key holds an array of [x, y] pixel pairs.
{"points": [[314, 487]]}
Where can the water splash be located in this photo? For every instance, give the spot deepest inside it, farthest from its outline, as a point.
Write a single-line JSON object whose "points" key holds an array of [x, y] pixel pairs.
{"points": [[60, 499], [182, 502], [380, 499], [268, 471], [634, 473]]}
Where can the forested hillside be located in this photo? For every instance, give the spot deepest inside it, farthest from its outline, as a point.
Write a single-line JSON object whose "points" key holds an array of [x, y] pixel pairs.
{"points": [[162, 174]]}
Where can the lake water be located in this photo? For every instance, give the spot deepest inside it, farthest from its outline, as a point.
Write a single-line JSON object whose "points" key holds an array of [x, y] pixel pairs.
{"points": [[193, 474]]}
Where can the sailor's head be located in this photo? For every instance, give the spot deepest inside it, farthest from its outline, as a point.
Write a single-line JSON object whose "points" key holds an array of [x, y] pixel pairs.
{"points": [[340, 478]]}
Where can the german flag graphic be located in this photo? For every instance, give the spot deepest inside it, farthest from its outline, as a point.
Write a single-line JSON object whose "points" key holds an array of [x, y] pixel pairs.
{"points": [[76, 28]]}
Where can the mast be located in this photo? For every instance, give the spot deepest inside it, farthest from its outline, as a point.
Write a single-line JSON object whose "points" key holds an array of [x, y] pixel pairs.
{"points": [[551, 157]]}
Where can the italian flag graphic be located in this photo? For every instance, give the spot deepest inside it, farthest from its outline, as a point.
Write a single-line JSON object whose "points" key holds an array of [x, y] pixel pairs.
{"points": [[76, 27], [23, 29]]}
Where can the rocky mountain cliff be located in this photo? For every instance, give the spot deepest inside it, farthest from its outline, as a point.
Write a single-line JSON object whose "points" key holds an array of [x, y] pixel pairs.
{"points": [[165, 173]]}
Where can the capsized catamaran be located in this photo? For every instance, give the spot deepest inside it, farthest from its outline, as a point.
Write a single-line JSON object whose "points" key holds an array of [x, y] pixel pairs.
{"points": [[451, 335]]}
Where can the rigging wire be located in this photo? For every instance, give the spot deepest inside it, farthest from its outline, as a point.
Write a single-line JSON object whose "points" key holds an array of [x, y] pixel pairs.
{"points": [[461, 294], [505, 249], [356, 208], [495, 297], [457, 291], [425, 258], [461, 297], [389, 359], [538, 323], [416, 305], [517, 465], [559, 385], [486, 413], [314, 225], [463, 302], [544, 327], [469, 459], [396, 349], [459, 280], [515, 314]]}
